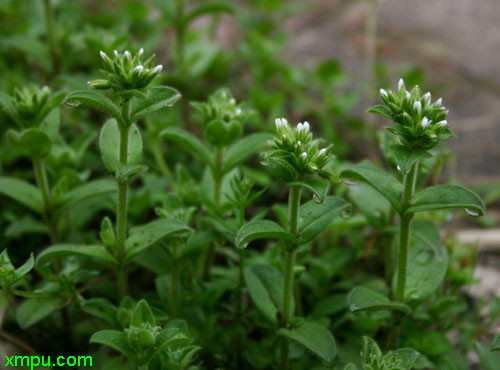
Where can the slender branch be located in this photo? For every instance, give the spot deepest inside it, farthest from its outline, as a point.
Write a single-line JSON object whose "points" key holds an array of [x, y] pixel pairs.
{"points": [[293, 221], [43, 184]]}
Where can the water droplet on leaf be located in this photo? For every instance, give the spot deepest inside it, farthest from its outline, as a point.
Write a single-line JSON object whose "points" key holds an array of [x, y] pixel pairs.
{"points": [[349, 181], [471, 212], [346, 213], [317, 199]]}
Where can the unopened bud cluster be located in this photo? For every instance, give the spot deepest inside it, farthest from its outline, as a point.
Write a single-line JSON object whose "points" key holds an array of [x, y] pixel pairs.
{"points": [[294, 154], [124, 71], [29, 101], [420, 122]]}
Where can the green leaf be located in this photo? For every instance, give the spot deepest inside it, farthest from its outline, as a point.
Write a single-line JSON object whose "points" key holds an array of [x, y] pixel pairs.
{"points": [[318, 187], [372, 355], [31, 142], [244, 148], [262, 229], [88, 190], [116, 340], [495, 346], [109, 145], [190, 143], [53, 103], [23, 192], [157, 98], [95, 100], [101, 308], [143, 237], [23, 270], [378, 179], [426, 270], [9, 108], [364, 299], [142, 314], [266, 285], [405, 358], [316, 338], [374, 206], [489, 360], [447, 196], [316, 217], [63, 250], [32, 310], [406, 157], [206, 9], [381, 110]]}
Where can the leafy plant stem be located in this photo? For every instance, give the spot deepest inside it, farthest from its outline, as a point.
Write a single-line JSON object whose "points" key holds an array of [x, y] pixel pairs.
{"points": [[290, 253], [160, 160], [121, 213], [43, 184]]}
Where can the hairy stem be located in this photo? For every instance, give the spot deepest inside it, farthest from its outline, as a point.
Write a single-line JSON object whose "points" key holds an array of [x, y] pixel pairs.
{"points": [[122, 205], [290, 253]]}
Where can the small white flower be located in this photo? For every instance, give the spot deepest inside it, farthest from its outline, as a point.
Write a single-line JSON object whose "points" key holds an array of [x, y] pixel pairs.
{"points": [[141, 51], [408, 95], [401, 84], [322, 151], [439, 101], [232, 101], [425, 122], [127, 53], [158, 68], [427, 97], [280, 123], [417, 106], [442, 123], [238, 111], [115, 52], [303, 155], [139, 69], [102, 54], [383, 93], [300, 127], [306, 126], [299, 143]]}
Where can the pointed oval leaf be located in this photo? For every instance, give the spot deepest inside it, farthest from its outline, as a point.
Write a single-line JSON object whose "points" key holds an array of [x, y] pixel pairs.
{"points": [[116, 340], [62, 250], [190, 143], [489, 360], [23, 192], [157, 98], [447, 196], [101, 308], [109, 145], [318, 187], [245, 148], [143, 237], [495, 346], [406, 157], [33, 310], [95, 100], [381, 110], [378, 179], [206, 9], [88, 190], [262, 229], [316, 338], [23, 270], [364, 299], [266, 285], [314, 217]]}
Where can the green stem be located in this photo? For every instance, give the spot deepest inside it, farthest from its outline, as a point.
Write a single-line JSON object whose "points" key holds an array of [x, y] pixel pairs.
{"points": [[174, 282], [180, 30], [404, 241], [160, 160], [43, 184], [290, 253], [122, 205], [217, 174], [49, 22]]}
